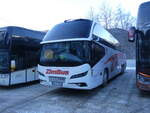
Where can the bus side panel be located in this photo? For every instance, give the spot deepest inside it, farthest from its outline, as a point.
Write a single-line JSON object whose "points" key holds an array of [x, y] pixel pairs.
{"points": [[117, 63], [4, 79], [96, 75], [36, 74], [18, 77], [110, 62], [31, 74], [97, 72]]}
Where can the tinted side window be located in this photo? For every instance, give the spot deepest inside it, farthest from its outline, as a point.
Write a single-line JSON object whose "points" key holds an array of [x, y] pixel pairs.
{"points": [[32, 58], [98, 53], [102, 41], [25, 54], [19, 57], [25, 59], [143, 48], [2, 39]]}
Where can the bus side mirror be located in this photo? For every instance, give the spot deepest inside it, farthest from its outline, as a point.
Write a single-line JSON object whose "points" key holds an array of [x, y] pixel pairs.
{"points": [[131, 34], [13, 65]]}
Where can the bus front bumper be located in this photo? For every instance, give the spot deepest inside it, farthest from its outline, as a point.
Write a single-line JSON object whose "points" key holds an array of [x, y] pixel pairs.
{"points": [[79, 85], [72, 85]]}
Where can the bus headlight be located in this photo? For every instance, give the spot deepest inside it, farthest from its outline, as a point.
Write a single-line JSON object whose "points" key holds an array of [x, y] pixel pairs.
{"points": [[79, 75]]}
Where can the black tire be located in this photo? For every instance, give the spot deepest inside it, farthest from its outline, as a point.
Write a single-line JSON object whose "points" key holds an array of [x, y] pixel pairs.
{"points": [[105, 77], [143, 92]]}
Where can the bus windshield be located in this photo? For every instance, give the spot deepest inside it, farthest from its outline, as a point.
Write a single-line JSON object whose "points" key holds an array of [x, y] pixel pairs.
{"points": [[65, 53], [4, 61]]}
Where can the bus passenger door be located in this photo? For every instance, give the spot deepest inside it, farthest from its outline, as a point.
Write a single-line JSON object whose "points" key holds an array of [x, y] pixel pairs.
{"points": [[98, 52], [18, 73], [36, 74], [30, 74], [31, 65]]}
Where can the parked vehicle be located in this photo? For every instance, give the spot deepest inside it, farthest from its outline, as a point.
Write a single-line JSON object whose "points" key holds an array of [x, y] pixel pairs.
{"points": [[141, 34], [79, 54], [19, 55]]}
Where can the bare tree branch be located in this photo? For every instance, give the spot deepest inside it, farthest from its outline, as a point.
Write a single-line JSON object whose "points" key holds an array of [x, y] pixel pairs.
{"points": [[112, 18]]}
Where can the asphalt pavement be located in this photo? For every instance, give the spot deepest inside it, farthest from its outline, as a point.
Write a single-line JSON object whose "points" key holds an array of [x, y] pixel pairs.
{"points": [[119, 96]]}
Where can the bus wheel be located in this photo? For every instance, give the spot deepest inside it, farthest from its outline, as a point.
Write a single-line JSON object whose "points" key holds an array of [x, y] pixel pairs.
{"points": [[105, 78]]}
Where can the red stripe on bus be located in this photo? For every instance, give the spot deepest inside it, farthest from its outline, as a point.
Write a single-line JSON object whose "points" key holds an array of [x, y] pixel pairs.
{"points": [[113, 60], [145, 75]]}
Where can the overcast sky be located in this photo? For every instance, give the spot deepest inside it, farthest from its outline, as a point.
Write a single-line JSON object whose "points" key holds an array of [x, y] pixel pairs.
{"points": [[43, 14]]}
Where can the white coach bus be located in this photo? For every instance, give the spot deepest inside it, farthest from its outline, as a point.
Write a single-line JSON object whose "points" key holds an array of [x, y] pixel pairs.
{"points": [[19, 55], [79, 54]]}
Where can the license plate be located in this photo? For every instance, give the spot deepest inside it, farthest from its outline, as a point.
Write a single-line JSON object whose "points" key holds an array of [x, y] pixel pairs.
{"points": [[57, 84], [56, 79]]}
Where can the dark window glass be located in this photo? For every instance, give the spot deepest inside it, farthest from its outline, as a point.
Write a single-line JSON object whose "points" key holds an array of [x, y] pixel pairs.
{"points": [[1, 36], [65, 53], [25, 58], [102, 41], [32, 58], [144, 48], [25, 42], [19, 56], [98, 53], [25, 52], [4, 60], [142, 52], [70, 29], [2, 39]]}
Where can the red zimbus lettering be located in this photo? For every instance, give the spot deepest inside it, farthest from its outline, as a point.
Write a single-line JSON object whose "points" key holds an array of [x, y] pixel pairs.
{"points": [[59, 72], [47, 71]]}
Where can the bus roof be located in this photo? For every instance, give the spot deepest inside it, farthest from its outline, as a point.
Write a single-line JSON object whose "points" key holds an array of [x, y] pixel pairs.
{"points": [[20, 31], [79, 29]]}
